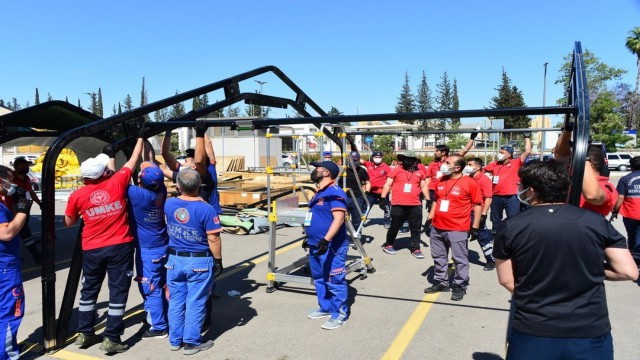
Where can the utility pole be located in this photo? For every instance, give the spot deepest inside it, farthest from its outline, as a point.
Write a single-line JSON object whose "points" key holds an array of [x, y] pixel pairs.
{"points": [[544, 98]]}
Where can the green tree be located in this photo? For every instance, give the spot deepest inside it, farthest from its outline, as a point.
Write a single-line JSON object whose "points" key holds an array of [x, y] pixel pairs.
{"points": [[114, 110], [509, 96], [80, 106], [424, 102], [633, 44], [100, 106], [66, 98], [233, 111], [607, 124], [177, 110], [93, 105], [444, 101], [598, 74], [144, 99], [161, 115], [119, 108], [384, 143], [406, 102], [128, 103], [455, 105], [334, 112], [49, 97], [37, 97]]}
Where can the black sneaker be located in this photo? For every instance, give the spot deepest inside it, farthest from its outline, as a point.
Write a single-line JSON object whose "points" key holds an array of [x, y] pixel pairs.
{"points": [[457, 293], [154, 334], [436, 288], [194, 349], [489, 266]]}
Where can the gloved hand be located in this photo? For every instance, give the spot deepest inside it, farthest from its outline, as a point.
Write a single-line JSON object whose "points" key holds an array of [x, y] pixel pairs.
{"points": [[427, 227], [483, 221], [568, 127], [24, 206], [201, 128], [109, 151], [144, 132], [322, 247], [474, 135], [526, 134], [384, 203], [305, 243], [217, 267], [428, 204], [614, 215], [473, 234]]}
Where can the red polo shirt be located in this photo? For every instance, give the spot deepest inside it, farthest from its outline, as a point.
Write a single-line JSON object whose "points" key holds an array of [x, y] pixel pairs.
{"points": [[505, 176], [433, 173], [377, 175], [406, 186], [461, 194]]}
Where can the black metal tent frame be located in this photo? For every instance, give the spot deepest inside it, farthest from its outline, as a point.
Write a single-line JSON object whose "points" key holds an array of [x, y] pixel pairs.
{"points": [[128, 124]]}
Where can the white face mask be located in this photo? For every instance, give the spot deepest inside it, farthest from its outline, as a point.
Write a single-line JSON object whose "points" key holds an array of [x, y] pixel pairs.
{"points": [[12, 187], [501, 156], [524, 201], [377, 161], [445, 170], [468, 170]]}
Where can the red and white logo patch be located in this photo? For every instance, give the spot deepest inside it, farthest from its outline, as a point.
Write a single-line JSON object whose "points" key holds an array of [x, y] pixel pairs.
{"points": [[181, 215], [99, 197], [216, 220]]}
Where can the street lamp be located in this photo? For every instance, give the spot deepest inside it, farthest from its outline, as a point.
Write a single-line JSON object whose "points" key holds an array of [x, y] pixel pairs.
{"points": [[261, 83], [544, 98]]}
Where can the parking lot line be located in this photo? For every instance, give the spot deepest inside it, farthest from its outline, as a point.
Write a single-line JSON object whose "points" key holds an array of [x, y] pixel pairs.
{"points": [[408, 331]]}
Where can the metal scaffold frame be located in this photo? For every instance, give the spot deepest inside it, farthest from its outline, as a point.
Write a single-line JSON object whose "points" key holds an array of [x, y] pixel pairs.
{"points": [[287, 210]]}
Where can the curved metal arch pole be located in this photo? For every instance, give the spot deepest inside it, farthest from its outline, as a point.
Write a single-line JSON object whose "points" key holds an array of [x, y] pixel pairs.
{"points": [[578, 96]]}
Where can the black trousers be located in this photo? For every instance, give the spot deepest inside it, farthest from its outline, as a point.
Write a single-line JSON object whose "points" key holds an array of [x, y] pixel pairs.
{"points": [[116, 261], [400, 214]]}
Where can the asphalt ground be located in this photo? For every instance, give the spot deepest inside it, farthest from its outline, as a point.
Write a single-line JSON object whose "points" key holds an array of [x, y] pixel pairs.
{"points": [[391, 317]]}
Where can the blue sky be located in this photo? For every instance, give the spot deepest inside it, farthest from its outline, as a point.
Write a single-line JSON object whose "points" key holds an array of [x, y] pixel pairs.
{"points": [[347, 54]]}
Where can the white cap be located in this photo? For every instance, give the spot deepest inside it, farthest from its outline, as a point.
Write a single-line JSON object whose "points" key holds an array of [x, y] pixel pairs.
{"points": [[93, 168]]}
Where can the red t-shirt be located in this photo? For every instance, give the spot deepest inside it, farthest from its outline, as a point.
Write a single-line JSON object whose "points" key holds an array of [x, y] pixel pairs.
{"points": [[433, 173], [505, 176], [629, 187], [607, 206], [24, 184], [377, 175], [461, 194], [406, 186], [103, 207], [486, 188]]}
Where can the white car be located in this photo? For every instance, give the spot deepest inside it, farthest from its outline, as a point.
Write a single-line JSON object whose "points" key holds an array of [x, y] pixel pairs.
{"points": [[286, 160], [619, 161]]}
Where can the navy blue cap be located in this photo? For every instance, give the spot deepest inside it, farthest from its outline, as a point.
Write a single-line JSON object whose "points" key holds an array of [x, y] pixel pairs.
{"points": [[376, 153], [507, 148], [329, 165]]}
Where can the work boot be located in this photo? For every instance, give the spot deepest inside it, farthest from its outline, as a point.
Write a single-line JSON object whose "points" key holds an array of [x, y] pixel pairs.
{"points": [[84, 341], [457, 292], [489, 266], [436, 288], [113, 347]]}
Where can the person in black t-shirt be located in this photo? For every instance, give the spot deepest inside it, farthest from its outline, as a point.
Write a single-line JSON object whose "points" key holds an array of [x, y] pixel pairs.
{"points": [[359, 186], [551, 258]]}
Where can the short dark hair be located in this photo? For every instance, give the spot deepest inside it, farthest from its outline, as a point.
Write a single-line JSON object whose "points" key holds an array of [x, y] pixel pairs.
{"points": [[443, 149], [635, 163], [596, 157], [5, 172], [549, 179], [477, 160]]}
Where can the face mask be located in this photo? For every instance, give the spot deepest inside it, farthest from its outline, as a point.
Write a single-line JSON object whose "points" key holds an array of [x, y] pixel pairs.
{"points": [[501, 157], [407, 164], [468, 170], [524, 201], [377, 161], [24, 171], [12, 187], [445, 170], [315, 177]]}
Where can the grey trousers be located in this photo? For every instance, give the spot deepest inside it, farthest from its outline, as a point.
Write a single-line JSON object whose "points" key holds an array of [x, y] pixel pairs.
{"points": [[441, 242]]}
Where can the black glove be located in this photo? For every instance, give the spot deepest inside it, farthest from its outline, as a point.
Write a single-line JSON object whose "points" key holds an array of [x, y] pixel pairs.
{"points": [[109, 151], [568, 127], [322, 247], [474, 135], [427, 227], [144, 132], [24, 206], [305, 243], [526, 134], [614, 215], [483, 221], [201, 128], [217, 267], [428, 204], [473, 234], [384, 203]]}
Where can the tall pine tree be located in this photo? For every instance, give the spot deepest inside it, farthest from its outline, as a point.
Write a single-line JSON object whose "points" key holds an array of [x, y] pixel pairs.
{"points": [[455, 105], [510, 96], [128, 103], [144, 99], [406, 102], [424, 102], [100, 107], [177, 110], [37, 97], [444, 101]]}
